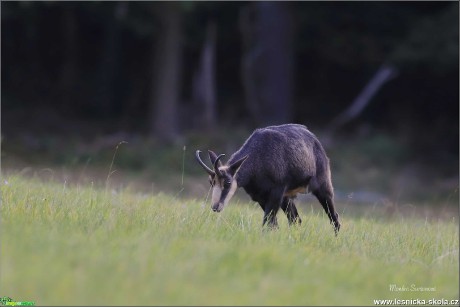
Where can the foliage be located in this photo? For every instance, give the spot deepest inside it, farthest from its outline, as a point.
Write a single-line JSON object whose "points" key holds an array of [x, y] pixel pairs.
{"points": [[78, 245], [338, 46], [431, 41]]}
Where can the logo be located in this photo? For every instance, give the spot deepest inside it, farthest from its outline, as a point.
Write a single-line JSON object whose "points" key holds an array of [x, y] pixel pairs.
{"points": [[5, 299], [8, 301]]}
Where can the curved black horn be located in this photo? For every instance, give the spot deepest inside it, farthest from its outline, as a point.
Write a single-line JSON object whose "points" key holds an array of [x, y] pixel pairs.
{"points": [[216, 165], [206, 168]]}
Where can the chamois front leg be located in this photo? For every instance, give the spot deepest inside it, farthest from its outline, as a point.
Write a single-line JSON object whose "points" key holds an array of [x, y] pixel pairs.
{"points": [[272, 206]]}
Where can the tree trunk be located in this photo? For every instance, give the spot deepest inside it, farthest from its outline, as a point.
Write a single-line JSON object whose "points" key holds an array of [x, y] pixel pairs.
{"points": [[68, 78], [108, 98], [204, 82], [248, 62], [267, 66], [166, 72]]}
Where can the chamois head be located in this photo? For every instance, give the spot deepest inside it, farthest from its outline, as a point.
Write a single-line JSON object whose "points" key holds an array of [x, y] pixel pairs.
{"points": [[221, 178]]}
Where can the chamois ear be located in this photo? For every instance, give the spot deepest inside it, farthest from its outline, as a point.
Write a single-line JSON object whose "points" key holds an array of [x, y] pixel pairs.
{"points": [[236, 165]]}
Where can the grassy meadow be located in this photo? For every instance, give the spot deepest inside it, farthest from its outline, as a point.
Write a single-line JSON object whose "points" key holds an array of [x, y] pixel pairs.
{"points": [[80, 245]]}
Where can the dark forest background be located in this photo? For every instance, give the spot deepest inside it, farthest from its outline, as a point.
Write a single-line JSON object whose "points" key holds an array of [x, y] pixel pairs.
{"points": [[378, 82]]}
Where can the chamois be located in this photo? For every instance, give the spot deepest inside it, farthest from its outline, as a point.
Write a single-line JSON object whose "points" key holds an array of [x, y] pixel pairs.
{"points": [[273, 166]]}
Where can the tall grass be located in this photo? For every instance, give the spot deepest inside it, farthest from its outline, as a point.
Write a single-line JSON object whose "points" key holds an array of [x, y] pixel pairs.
{"points": [[79, 245]]}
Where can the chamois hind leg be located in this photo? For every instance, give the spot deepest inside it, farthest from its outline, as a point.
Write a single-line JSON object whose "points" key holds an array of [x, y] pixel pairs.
{"points": [[290, 209], [325, 195]]}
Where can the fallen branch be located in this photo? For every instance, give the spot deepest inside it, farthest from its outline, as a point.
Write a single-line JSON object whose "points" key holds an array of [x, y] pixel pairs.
{"points": [[384, 74]]}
